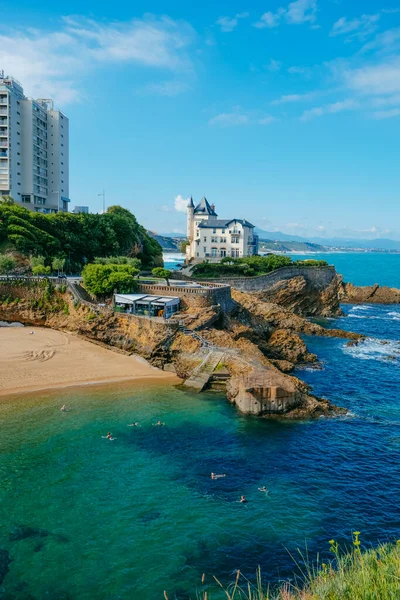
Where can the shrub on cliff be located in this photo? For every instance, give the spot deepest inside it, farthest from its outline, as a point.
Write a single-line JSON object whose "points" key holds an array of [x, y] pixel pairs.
{"points": [[242, 267], [102, 280]]}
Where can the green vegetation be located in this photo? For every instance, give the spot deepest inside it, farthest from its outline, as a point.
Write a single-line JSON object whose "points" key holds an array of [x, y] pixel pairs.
{"points": [[7, 264], [162, 273], [118, 260], [57, 264], [249, 266], [77, 238], [353, 575], [34, 294], [102, 280]]}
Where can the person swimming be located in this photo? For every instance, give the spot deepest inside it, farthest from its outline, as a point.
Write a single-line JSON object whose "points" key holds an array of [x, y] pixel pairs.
{"points": [[136, 424], [109, 436], [63, 408], [158, 423], [242, 499], [263, 489], [215, 476]]}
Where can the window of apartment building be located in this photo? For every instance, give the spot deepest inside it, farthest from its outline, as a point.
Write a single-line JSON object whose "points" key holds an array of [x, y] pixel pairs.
{"points": [[205, 250], [26, 199], [213, 252], [198, 242], [197, 255], [223, 252], [197, 233], [223, 231], [205, 238], [214, 240], [214, 230], [222, 240]]}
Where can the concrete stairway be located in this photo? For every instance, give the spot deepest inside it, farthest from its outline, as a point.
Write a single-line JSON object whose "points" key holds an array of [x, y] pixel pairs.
{"points": [[203, 373], [204, 343]]}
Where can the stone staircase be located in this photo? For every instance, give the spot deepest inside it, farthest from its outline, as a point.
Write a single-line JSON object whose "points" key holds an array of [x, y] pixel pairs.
{"points": [[204, 372], [204, 343]]}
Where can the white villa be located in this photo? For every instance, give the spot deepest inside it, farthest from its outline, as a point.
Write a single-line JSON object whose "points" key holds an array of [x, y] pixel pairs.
{"points": [[212, 238]]}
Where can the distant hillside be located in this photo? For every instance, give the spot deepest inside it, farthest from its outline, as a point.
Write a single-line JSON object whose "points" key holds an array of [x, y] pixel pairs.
{"points": [[166, 242], [270, 246]]}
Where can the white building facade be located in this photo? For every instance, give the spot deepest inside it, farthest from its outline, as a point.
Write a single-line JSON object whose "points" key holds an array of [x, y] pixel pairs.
{"points": [[211, 238], [34, 150]]}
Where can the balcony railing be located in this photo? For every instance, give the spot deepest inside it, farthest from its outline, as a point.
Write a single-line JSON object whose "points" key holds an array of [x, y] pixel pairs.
{"points": [[4, 144]]}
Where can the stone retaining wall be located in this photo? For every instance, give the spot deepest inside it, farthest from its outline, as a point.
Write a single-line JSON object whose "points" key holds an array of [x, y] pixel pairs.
{"points": [[318, 277], [214, 293]]}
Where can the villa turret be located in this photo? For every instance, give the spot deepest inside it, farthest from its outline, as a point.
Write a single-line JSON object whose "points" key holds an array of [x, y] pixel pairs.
{"points": [[212, 238]]}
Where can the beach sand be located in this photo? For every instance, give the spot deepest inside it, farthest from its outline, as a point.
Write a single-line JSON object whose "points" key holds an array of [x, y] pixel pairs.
{"points": [[49, 359]]}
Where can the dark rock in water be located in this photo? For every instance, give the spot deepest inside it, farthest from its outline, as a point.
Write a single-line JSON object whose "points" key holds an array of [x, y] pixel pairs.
{"points": [[5, 560], [352, 343], [23, 532], [39, 546], [150, 516]]}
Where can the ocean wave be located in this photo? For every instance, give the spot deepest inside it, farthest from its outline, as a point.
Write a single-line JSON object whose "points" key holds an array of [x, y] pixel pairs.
{"points": [[360, 307], [375, 349]]}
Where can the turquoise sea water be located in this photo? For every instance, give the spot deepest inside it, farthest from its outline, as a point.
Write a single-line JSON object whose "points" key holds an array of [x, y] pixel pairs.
{"points": [[82, 517]]}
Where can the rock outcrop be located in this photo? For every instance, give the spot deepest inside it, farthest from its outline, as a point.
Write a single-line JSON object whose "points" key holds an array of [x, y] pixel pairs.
{"points": [[257, 344], [376, 294], [302, 298]]}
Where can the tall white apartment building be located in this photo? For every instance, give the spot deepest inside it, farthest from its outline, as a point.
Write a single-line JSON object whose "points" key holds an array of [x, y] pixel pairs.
{"points": [[34, 150]]}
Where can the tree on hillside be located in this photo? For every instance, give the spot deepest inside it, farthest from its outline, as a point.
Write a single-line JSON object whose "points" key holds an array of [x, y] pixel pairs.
{"points": [[183, 245], [7, 264], [102, 280], [7, 200], [38, 267], [162, 273], [57, 264]]}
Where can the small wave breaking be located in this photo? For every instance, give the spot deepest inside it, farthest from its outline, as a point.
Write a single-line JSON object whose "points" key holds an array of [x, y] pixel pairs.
{"points": [[375, 349]]}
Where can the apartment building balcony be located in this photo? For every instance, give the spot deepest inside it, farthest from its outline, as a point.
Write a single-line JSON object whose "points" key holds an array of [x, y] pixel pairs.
{"points": [[3, 153], [4, 133], [3, 144]]}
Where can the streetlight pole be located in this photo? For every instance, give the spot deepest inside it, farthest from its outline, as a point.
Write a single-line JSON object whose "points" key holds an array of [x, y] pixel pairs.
{"points": [[104, 200]]}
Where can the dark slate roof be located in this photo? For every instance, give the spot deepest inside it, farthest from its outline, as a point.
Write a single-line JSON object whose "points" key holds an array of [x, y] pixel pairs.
{"points": [[203, 208], [191, 203], [217, 223]]}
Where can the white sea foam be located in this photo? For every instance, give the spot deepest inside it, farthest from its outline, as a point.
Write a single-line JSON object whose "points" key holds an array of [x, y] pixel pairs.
{"points": [[395, 315], [375, 349], [360, 307]]}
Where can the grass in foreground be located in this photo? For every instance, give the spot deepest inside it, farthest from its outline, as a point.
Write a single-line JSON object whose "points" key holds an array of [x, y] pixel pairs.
{"points": [[354, 575]]}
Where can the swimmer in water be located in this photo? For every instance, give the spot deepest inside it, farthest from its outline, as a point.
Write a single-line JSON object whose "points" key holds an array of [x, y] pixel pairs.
{"points": [[63, 408], [134, 424], [158, 423], [109, 436], [215, 476], [263, 489], [242, 499]]}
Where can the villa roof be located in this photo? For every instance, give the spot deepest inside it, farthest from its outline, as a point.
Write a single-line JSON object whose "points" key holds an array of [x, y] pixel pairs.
{"points": [[191, 203], [204, 208], [224, 223]]}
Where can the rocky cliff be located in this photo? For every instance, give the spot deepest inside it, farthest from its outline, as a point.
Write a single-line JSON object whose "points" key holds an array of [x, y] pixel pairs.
{"points": [[258, 343], [351, 294]]}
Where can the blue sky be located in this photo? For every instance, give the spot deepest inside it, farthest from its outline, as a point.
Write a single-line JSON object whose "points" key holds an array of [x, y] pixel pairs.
{"points": [[286, 113]]}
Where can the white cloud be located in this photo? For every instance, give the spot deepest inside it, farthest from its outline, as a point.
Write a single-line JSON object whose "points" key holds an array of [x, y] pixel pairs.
{"points": [[386, 114], [387, 101], [297, 70], [291, 98], [266, 120], [378, 79], [233, 118], [239, 117], [273, 65], [301, 11], [361, 27], [166, 88], [228, 24], [329, 109], [296, 13], [180, 203], [55, 63], [165, 208], [269, 19]]}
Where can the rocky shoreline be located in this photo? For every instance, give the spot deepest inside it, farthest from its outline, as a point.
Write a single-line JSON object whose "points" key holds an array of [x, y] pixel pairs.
{"points": [[249, 350]]}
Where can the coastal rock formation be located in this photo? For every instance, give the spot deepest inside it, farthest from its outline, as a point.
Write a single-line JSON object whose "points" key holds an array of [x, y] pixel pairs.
{"points": [[255, 346], [376, 294], [302, 298]]}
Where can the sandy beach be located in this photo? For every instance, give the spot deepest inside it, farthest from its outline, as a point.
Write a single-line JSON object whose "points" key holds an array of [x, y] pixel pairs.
{"points": [[49, 359]]}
